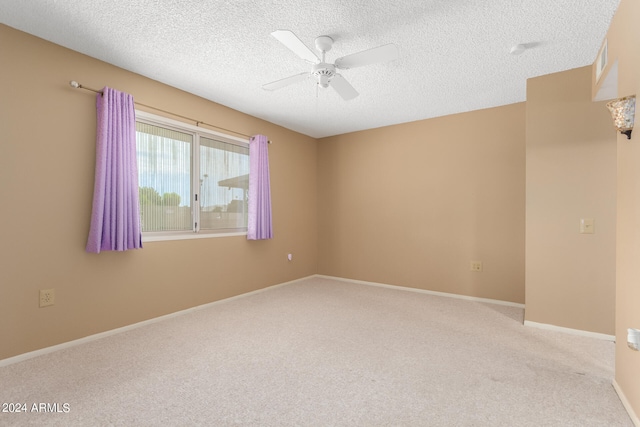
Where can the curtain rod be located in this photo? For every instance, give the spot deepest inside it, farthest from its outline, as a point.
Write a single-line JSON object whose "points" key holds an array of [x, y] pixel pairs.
{"points": [[77, 85]]}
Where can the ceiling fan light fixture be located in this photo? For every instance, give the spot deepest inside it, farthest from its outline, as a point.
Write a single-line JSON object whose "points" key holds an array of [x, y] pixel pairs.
{"points": [[323, 81], [324, 72]]}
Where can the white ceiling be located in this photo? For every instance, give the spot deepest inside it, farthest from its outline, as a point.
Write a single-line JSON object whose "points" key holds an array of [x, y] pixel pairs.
{"points": [[454, 54]]}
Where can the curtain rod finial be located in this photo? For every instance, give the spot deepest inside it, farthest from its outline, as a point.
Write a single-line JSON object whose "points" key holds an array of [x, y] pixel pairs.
{"points": [[74, 83]]}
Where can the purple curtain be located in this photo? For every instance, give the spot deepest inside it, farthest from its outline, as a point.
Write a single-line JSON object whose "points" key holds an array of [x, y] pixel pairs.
{"points": [[115, 217], [259, 226]]}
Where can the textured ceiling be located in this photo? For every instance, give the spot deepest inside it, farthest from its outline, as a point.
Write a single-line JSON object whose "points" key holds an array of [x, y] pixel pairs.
{"points": [[454, 54]]}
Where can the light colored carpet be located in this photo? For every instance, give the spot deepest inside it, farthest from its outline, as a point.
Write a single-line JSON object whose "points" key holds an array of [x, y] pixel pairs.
{"points": [[322, 352]]}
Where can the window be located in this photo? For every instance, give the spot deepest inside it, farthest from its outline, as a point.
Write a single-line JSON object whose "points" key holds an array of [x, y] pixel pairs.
{"points": [[601, 61], [193, 182]]}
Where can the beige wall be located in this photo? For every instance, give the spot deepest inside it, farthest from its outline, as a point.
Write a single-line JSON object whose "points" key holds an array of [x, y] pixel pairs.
{"points": [[571, 174], [47, 157], [409, 205], [413, 204], [624, 39]]}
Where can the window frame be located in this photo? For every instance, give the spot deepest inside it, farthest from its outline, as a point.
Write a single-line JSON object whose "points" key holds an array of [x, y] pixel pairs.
{"points": [[197, 132]]}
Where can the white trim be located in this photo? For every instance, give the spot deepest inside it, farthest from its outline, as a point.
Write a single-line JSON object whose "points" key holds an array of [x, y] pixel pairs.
{"points": [[188, 235], [626, 404], [424, 291], [73, 343], [162, 120], [579, 332]]}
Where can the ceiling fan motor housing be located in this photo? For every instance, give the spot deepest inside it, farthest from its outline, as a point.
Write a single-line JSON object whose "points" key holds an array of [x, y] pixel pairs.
{"points": [[324, 73]]}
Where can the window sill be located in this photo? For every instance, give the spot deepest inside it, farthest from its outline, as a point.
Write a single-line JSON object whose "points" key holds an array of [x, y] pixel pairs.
{"points": [[188, 236]]}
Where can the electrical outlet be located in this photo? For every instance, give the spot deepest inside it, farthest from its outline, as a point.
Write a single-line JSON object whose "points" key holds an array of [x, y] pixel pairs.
{"points": [[47, 297], [476, 266]]}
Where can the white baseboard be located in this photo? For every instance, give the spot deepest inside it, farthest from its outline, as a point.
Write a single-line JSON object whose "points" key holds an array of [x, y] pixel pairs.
{"points": [[570, 331], [68, 344], [424, 291], [626, 404], [73, 343]]}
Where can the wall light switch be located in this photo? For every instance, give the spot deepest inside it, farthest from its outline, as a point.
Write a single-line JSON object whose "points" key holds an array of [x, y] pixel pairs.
{"points": [[586, 226]]}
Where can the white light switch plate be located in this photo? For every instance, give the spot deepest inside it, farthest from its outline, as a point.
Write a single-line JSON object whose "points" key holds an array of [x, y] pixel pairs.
{"points": [[633, 339]]}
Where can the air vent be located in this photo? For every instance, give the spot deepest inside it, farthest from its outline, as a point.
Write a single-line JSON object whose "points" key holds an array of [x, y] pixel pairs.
{"points": [[601, 62]]}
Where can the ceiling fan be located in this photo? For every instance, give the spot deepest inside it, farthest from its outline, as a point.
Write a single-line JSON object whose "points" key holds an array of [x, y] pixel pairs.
{"points": [[324, 72]]}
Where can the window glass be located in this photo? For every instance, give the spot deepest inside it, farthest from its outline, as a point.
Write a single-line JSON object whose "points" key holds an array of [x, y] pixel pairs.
{"points": [[224, 181], [164, 177]]}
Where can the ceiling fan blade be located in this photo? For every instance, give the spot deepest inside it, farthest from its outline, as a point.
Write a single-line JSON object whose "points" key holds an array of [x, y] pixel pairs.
{"points": [[286, 81], [293, 43], [343, 87], [387, 52]]}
